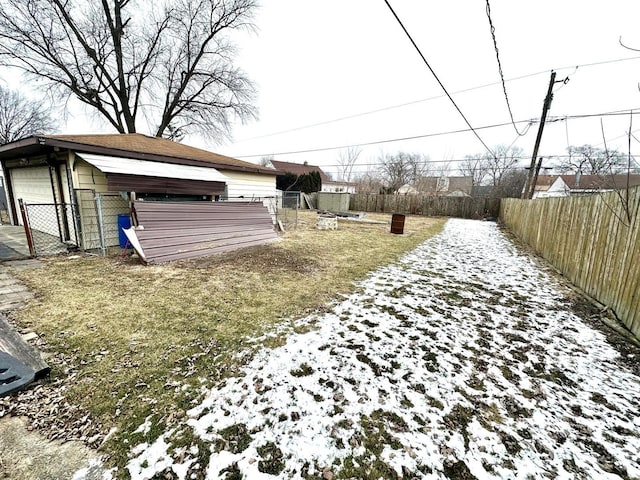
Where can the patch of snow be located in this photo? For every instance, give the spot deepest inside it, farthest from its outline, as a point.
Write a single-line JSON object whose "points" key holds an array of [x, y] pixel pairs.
{"points": [[464, 351], [145, 426], [95, 467], [152, 459]]}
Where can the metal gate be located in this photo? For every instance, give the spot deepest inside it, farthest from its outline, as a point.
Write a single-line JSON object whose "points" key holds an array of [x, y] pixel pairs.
{"points": [[90, 223], [50, 228]]}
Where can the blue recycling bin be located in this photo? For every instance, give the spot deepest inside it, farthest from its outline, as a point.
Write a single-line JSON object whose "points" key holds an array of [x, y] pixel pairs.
{"points": [[124, 221]]}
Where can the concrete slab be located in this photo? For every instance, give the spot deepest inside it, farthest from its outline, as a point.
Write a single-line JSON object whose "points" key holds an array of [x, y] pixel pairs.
{"points": [[13, 242], [24, 264], [28, 455], [13, 293]]}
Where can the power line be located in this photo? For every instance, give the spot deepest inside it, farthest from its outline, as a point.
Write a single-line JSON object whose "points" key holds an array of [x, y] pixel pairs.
{"points": [[615, 113], [492, 29], [379, 142], [436, 76], [436, 134], [457, 160], [414, 102]]}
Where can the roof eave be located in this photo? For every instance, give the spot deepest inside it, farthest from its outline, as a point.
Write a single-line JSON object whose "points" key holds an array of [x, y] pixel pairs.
{"points": [[117, 152], [23, 142]]}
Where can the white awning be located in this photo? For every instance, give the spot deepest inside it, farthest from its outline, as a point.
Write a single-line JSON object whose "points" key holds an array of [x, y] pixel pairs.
{"points": [[132, 166]]}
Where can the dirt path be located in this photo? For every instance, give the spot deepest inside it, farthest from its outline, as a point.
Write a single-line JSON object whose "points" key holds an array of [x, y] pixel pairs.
{"points": [[466, 360]]}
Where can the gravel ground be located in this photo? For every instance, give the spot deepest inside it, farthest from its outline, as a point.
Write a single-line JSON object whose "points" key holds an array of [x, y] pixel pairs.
{"points": [[467, 359]]}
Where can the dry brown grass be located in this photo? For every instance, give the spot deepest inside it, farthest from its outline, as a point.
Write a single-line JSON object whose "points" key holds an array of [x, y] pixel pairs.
{"points": [[137, 332]]}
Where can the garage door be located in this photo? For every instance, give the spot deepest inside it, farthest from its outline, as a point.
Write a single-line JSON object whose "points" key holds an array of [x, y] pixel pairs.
{"points": [[33, 185]]}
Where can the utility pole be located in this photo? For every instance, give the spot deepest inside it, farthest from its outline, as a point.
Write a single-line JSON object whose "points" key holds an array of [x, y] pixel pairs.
{"points": [[535, 178], [530, 185]]}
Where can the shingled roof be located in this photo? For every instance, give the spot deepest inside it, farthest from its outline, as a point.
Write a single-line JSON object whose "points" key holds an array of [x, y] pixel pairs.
{"points": [[299, 169], [600, 182], [136, 145]]}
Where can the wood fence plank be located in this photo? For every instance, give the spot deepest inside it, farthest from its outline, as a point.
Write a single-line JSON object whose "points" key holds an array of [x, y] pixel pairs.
{"points": [[590, 241]]}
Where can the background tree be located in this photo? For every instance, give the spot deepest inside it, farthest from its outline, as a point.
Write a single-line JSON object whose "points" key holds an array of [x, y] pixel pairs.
{"points": [[590, 160], [401, 169], [168, 62], [505, 160], [264, 161], [21, 116], [511, 184], [368, 182], [307, 183], [474, 166], [442, 168], [500, 171], [346, 160]]}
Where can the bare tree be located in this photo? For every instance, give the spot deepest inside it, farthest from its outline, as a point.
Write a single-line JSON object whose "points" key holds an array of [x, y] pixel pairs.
{"points": [[499, 171], [442, 168], [589, 160], [504, 159], [511, 183], [368, 182], [264, 161], [346, 160], [168, 62], [474, 166], [401, 168], [21, 116]]}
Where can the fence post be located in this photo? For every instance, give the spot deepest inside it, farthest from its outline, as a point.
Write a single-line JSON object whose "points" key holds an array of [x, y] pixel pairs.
{"points": [[75, 215], [103, 247], [27, 228]]}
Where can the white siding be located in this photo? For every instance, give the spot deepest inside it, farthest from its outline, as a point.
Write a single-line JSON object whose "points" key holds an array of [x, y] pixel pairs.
{"points": [[557, 189], [331, 187], [249, 185], [89, 177]]}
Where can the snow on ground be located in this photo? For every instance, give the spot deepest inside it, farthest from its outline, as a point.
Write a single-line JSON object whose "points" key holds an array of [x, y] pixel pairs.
{"points": [[464, 359]]}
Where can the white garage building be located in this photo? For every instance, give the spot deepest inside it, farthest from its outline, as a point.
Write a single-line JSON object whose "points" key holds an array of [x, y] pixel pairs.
{"points": [[67, 173]]}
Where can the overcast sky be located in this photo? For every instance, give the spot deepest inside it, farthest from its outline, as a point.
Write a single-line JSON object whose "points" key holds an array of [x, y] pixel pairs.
{"points": [[317, 62]]}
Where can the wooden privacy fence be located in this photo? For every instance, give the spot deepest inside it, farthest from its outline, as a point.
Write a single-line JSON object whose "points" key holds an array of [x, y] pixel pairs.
{"points": [[428, 205], [591, 241]]}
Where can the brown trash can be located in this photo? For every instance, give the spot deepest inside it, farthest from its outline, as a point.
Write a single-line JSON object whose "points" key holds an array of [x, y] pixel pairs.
{"points": [[397, 224]]}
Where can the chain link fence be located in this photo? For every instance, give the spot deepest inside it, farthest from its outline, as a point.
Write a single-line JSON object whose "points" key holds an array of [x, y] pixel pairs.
{"points": [[50, 228], [98, 219], [91, 223], [287, 211]]}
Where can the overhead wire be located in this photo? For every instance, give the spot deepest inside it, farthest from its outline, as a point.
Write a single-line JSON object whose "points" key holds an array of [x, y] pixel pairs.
{"points": [[379, 142], [435, 97], [458, 160], [530, 122], [424, 59], [492, 29]]}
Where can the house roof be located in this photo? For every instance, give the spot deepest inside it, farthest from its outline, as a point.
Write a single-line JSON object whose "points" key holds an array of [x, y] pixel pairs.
{"points": [[599, 182], [131, 145], [300, 169], [543, 182]]}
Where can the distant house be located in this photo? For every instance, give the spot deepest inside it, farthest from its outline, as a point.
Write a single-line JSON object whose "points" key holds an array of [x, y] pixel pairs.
{"points": [[569, 185], [407, 189], [543, 183], [65, 174], [446, 186], [328, 185]]}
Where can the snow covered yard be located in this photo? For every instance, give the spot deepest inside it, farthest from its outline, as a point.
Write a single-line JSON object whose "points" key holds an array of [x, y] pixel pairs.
{"points": [[463, 360]]}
